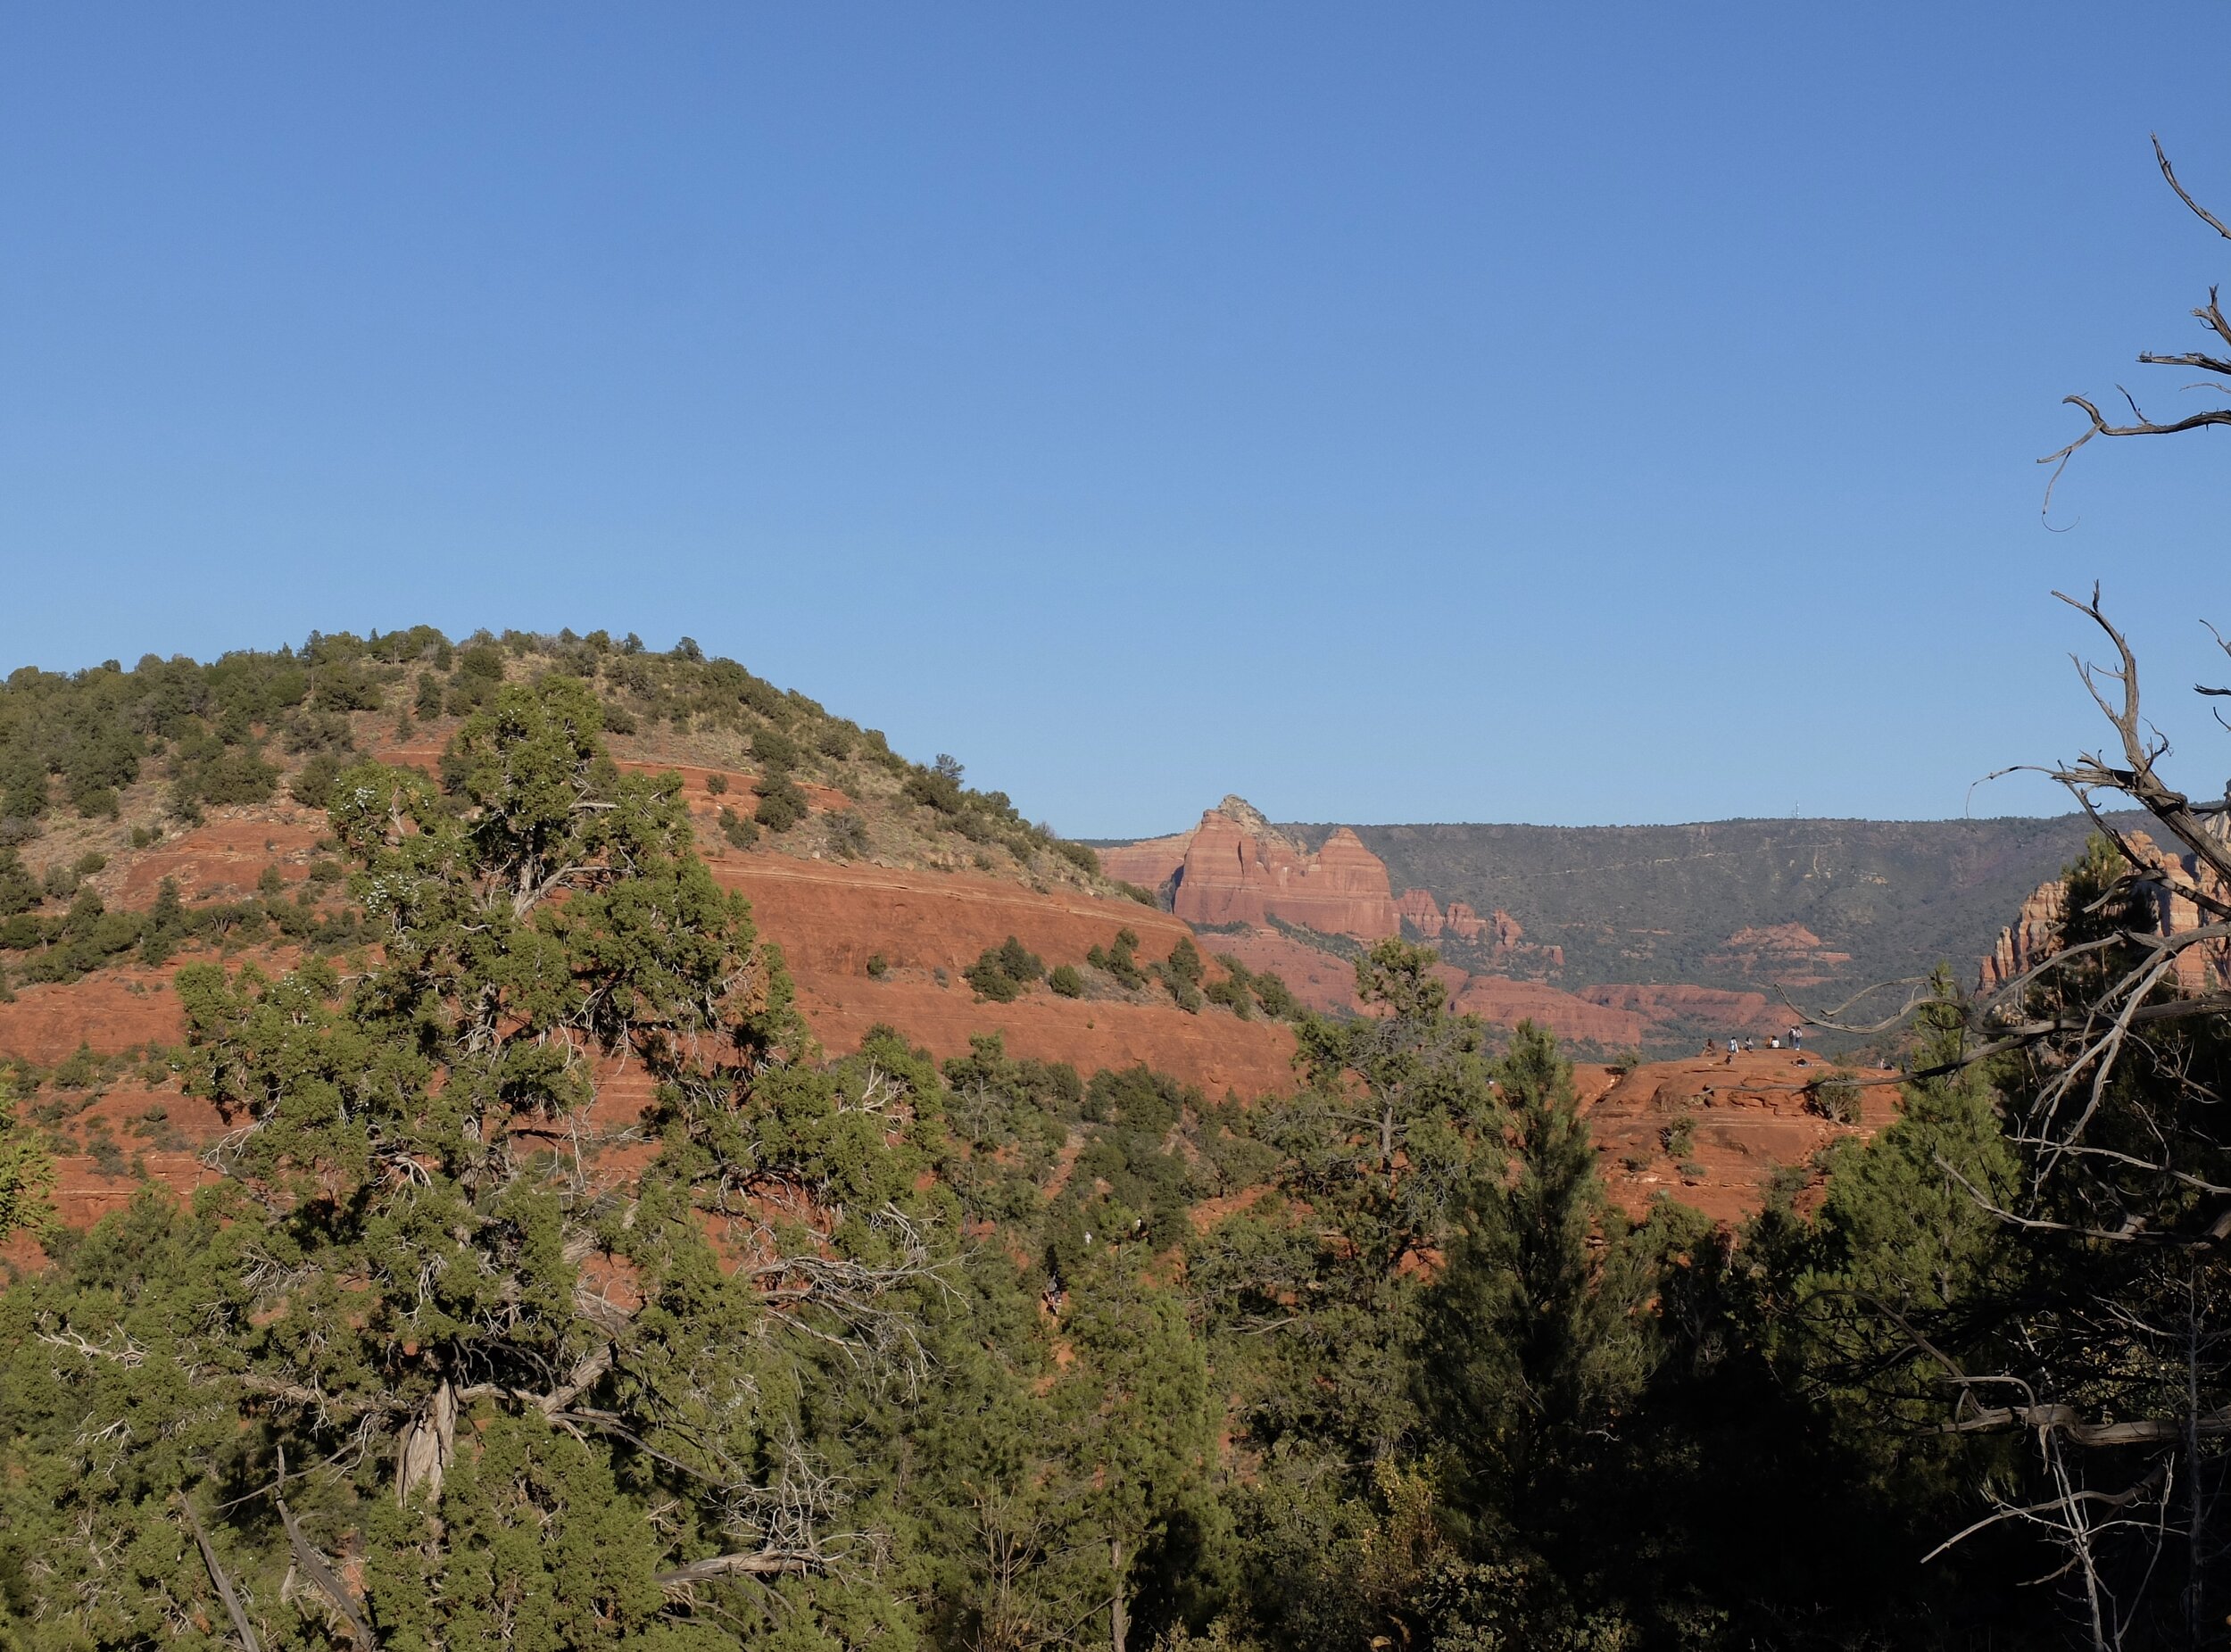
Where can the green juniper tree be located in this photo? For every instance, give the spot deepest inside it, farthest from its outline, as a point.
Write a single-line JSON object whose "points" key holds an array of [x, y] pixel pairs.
{"points": [[1534, 1334], [440, 1356], [26, 1174]]}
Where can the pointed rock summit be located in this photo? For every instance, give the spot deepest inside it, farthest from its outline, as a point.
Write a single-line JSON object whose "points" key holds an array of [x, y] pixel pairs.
{"points": [[1236, 868]]}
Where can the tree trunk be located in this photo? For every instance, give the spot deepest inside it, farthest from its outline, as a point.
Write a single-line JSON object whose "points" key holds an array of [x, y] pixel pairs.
{"points": [[1118, 1615], [428, 1441]]}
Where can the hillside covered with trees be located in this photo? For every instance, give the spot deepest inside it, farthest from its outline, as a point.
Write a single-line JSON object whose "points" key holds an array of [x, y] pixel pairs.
{"points": [[803, 1351]]}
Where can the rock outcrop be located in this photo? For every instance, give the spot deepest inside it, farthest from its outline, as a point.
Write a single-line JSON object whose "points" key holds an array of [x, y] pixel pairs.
{"points": [[1502, 936], [1422, 913], [1235, 867], [1789, 955], [2033, 937], [1675, 1010], [1711, 1132], [1501, 1001], [2172, 882]]}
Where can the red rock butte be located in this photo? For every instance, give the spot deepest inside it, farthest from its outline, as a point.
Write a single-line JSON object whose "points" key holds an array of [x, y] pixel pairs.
{"points": [[1235, 867]]}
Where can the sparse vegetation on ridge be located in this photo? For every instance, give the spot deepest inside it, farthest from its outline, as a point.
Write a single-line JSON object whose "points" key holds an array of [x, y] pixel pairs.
{"points": [[109, 756]]}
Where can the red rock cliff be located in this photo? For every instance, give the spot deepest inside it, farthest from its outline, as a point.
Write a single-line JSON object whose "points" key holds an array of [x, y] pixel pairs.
{"points": [[1235, 867], [2174, 880]]}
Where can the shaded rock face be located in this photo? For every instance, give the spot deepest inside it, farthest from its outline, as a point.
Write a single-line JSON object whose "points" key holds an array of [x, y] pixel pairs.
{"points": [[1151, 863]]}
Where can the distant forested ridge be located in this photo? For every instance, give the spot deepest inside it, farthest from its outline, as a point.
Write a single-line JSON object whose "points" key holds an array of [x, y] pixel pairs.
{"points": [[1662, 902]]}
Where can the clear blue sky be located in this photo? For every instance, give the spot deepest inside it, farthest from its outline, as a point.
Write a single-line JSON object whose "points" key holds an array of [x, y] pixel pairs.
{"points": [[1553, 413]]}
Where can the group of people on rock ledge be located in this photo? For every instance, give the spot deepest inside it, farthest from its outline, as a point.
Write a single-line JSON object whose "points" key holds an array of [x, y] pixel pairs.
{"points": [[1795, 1041]]}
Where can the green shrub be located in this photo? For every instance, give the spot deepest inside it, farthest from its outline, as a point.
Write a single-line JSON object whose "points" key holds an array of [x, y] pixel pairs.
{"points": [[312, 784], [94, 803], [1836, 1097], [1066, 981], [740, 832], [1005, 972], [234, 775], [848, 833], [18, 889], [718, 784], [1181, 973], [1233, 995], [1678, 1137], [1078, 856], [80, 1070], [1119, 960], [878, 966], [1277, 999], [934, 790], [1144, 897], [773, 751], [782, 805]]}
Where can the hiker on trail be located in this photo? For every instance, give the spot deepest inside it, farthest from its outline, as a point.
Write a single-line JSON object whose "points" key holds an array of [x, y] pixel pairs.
{"points": [[1796, 1038], [1773, 1043], [1750, 1046], [1731, 1052]]}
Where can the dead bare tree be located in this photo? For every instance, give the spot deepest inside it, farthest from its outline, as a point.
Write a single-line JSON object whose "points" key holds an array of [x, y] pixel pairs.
{"points": [[2114, 1357], [2111, 1357], [2209, 315]]}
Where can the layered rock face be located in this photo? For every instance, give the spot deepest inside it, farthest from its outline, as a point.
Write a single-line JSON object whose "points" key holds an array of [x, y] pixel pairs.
{"points": [[1151, 863], [1422, 913], [1235, 867], [2033, 937]]}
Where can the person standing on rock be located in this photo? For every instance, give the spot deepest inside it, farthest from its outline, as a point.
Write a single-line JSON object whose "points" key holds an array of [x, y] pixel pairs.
{"points": [[1796, 1038]]}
